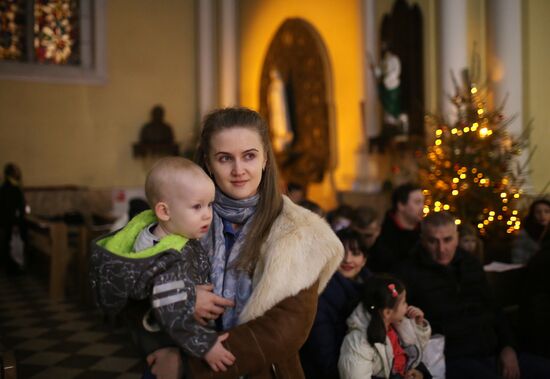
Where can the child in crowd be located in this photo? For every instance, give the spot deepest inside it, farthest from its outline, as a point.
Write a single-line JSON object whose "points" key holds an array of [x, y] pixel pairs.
{"points": [[157, 258], [386, 336], [470, 242]]}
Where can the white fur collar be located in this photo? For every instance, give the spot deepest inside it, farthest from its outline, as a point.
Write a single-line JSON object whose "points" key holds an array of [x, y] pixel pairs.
{"points": [[300, 249]]}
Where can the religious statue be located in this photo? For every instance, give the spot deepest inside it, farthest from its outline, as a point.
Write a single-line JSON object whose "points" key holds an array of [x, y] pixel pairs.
{"points": [[387, 74], [156, 136], [279, 117]]}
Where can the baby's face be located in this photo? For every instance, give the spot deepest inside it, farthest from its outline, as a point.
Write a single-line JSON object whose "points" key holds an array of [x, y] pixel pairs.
{"points": [[190, 206]]}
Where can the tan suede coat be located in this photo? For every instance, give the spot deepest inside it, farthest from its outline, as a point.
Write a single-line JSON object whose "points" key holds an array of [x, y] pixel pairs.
{"points": [[298, 258]]}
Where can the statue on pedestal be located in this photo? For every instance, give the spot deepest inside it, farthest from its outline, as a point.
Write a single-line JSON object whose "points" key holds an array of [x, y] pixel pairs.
{"points": [[156, 136]]}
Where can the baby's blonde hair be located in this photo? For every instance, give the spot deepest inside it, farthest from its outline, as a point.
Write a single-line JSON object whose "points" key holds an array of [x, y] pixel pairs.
{"points": [[163, 174]]}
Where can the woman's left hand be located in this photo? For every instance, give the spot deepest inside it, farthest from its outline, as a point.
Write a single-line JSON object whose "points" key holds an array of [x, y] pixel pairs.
{"points": [[208, 305], [416, 313]]}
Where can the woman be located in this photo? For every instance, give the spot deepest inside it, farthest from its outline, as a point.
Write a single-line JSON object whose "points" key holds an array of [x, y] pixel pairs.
{"points": [[270, 258], [528, 240], [321, 351]]}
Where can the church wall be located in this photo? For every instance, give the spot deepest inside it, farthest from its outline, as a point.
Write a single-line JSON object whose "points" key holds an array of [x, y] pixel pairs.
{"points": [[340, 28], [82, 134], [536, 63]]}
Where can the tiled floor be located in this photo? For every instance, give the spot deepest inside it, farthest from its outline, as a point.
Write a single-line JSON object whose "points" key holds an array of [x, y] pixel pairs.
{"points": [[61, 340]]}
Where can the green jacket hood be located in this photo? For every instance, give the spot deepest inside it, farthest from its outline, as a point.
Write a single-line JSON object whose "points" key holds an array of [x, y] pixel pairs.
{"points": [[121, 243]]}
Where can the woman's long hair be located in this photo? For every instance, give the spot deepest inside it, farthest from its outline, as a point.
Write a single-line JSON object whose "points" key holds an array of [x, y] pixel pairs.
{"points": [[532, 226], [270, 202], [376, 297]]}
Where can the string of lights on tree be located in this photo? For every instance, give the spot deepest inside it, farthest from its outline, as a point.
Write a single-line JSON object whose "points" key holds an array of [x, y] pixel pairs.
{"points": [[472, 168]]}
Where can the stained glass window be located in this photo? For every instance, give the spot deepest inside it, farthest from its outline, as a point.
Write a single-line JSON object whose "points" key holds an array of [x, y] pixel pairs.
{"points": [[12, 24], [49, 27], [56, 31], [53, 40]]}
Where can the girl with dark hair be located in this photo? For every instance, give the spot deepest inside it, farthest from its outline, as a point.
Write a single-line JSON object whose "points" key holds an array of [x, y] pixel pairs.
{"points": [[387, 336], [529, 238], [270, 257], [320, 353]]}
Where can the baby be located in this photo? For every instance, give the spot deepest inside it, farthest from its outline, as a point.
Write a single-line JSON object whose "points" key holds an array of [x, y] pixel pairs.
{"points": [[157, 257]]}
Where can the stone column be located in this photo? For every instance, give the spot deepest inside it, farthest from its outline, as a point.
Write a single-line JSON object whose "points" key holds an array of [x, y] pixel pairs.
{"points": [[370, 51], [504, 63], [452, 50], [504, 58], [206, 56], [228, 67]]}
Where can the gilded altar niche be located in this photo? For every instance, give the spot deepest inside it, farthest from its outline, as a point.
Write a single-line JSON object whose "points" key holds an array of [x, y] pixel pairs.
{"points": [[295, 93]]}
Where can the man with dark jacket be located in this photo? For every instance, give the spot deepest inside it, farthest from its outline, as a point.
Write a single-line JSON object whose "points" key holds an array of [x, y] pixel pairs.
{"points": [[400, 229], [12, 215], [450, 286]]}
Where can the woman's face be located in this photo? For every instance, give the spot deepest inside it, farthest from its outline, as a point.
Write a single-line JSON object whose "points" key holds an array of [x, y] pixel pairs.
{"points": [[236, 160], [542, 214], [353, 262]]}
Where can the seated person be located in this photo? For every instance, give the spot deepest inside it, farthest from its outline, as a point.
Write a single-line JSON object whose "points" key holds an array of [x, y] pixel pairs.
{"points": [[340, 218], [387, 336], [158, 258], [534, 310], [312, 206], [319, 355], [470, 242], [365, 221], [401, 226], [296, 192], [450, 286], [136, 205], [535, 227]]}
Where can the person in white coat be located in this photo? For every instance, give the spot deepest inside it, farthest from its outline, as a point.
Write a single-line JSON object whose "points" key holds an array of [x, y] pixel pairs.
{"points": [[386, 336]]}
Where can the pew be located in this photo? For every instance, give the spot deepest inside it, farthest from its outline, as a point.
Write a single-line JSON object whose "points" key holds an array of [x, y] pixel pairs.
{"points": [[50, 238]]}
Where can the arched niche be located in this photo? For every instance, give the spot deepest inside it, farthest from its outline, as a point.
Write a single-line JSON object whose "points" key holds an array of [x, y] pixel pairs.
{"points": [[296, 101], [401, 29]]}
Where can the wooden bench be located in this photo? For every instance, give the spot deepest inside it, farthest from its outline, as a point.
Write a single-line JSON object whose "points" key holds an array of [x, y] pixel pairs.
{"points": [[50, 238]]}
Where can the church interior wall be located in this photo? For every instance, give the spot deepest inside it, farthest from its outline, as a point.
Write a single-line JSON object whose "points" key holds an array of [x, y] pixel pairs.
{"points": [[536, 63], [82, 134]]}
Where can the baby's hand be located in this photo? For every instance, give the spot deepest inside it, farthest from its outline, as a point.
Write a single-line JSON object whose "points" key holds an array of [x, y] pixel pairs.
{"points": [[218, 357], [416, 313]]}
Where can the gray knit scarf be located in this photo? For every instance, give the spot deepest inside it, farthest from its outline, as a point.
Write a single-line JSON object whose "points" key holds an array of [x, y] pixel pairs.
{"points": [[229, 282]]}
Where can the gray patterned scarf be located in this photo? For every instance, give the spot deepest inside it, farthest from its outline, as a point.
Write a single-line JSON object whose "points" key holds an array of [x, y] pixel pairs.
{"points": [[229, 282]]}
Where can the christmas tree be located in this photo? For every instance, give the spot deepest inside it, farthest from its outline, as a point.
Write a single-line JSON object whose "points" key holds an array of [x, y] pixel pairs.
{"points": [[472, 168]]}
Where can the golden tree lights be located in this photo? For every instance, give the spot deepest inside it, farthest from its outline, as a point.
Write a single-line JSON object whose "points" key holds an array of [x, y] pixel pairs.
{"points": [[469, 168]]}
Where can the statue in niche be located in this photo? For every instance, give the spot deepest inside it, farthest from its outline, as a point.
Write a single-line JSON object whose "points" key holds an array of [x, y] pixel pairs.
{"points": [[388, 76], [296, 101], [156, 136], [279, 117]]}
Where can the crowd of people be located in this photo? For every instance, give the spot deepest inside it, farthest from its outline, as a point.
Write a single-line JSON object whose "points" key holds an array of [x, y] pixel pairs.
{"points": [[437, 267], [225, 277]]}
